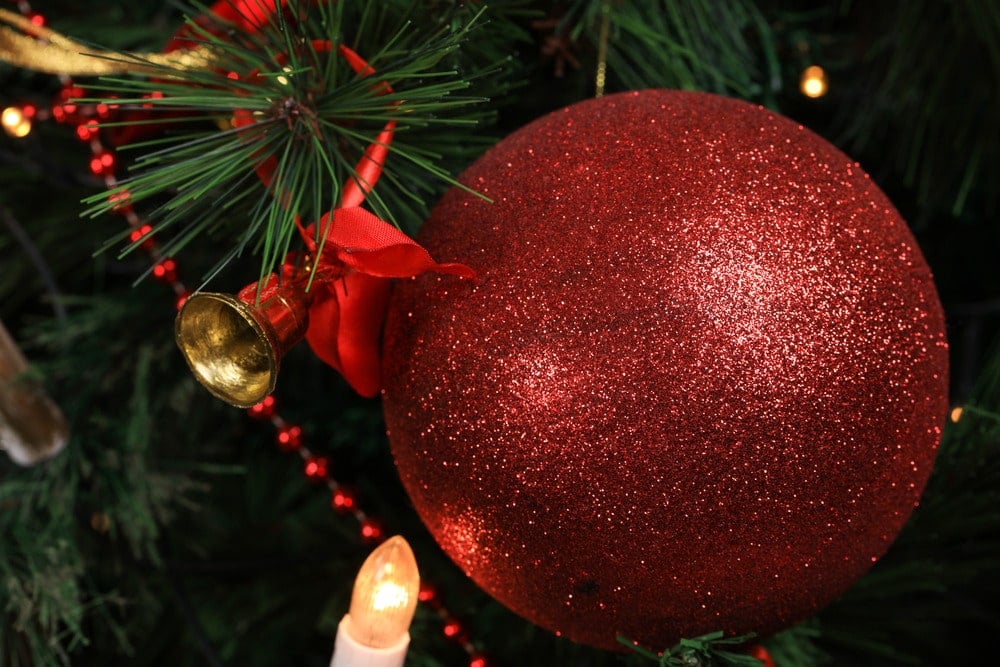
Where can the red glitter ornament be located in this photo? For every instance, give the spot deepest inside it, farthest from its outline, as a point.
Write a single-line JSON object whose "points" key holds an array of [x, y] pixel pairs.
{"points": [[698, 384]]}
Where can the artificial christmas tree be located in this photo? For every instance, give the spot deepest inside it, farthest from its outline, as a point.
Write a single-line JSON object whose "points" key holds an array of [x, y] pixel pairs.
{"points": [[215, 150]]}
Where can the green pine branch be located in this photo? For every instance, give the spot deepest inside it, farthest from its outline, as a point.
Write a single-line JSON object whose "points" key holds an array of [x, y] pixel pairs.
{"points": [[909, 77], [727, 48], [708, 650], [104, 499], [313, 118]]}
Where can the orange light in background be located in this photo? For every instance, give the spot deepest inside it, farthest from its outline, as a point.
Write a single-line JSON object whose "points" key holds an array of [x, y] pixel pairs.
{"points": [[813, 82], [15, 122]]}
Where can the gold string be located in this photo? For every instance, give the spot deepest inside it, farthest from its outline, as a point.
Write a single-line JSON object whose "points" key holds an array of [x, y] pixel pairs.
{"points": [[45, 50], [602, 50]]}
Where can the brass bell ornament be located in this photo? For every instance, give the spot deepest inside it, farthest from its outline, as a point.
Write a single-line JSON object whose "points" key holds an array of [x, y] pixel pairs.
{"points": [[234, 347]]}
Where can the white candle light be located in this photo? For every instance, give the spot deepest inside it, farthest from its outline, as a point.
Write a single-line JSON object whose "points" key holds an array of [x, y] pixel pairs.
{"points": [[376, 630]]}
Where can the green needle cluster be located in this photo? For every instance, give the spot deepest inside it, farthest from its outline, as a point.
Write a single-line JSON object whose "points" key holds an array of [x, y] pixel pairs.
{"points": [[312, 117]]}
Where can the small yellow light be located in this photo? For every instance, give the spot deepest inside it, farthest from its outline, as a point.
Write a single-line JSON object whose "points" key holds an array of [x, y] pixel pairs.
{"points": [[385, 596], [956, 414], [813, 82], [15, 123], [100, 522], [283, 80]]}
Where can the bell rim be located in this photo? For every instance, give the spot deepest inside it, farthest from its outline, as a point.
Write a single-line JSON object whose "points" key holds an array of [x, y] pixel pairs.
{"points": [[246, 313]]}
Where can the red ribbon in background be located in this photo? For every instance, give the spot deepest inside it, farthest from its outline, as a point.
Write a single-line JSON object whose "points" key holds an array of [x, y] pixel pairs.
{"points": [[246, 15]]}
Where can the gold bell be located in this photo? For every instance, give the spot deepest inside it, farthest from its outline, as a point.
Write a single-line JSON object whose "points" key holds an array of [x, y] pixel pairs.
{"points": [[234, 347]]}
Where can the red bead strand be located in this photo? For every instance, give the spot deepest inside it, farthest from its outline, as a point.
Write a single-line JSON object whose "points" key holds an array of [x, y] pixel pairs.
{"points": [[103, 162]]}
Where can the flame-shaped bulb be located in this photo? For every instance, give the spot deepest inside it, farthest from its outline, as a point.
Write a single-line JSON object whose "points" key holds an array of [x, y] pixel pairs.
{"points": [[375, 631]]}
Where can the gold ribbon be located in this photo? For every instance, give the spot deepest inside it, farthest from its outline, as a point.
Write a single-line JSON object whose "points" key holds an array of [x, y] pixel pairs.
{"points": [[602, 51], [36, 47]]}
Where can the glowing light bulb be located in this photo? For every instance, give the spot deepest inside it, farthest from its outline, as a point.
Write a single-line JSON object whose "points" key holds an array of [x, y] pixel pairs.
{"points": [[813, 82], [375, 631], [15, 122], [956, 414]]}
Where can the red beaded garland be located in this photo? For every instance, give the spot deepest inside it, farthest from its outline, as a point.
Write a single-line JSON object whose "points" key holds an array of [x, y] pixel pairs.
{"points": [[141, 232], [65, 108], [428, 594], [155, 95], [316, 468], [263, 410], [290, 439], [86, 131], [182, 298], [697, 385], [343, 500], [372, 531], [453, 630], [165, 271], [103, 163]]}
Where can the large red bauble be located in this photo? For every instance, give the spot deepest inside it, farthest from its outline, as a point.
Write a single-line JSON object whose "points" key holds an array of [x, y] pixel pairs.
{"points": [[697, 385]]}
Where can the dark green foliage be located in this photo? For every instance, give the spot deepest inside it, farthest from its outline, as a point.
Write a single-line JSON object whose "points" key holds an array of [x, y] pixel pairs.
{"points": [[172, 531], [915, 74], [725, 48]]}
